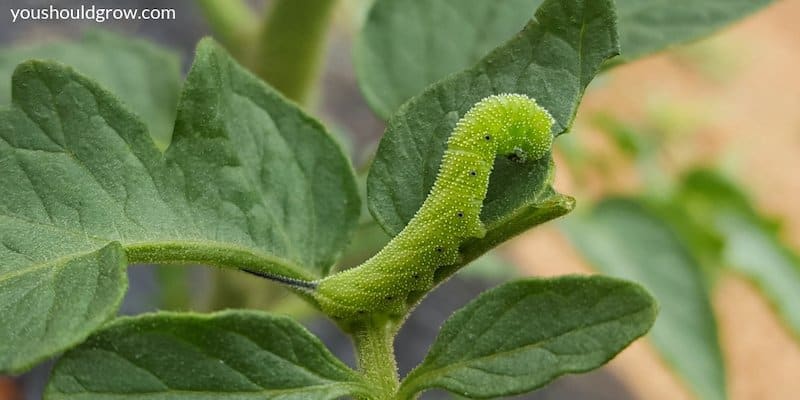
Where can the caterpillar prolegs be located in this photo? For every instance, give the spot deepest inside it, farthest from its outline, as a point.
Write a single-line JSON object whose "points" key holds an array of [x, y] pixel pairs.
{"points": [[507, 124]]}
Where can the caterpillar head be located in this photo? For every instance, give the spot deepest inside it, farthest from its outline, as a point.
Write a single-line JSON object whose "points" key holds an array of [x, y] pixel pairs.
{"points": [[523, 126]]}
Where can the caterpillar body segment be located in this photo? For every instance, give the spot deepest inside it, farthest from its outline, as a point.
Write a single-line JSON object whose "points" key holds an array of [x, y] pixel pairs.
{"points": [[508, 124]]}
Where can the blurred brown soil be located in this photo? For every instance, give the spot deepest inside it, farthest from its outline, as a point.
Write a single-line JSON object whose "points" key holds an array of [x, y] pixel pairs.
{"points": [[750, 120], [9, 390]]}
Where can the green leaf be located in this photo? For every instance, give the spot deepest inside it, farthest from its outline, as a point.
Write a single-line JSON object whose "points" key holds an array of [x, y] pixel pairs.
{"points": [[406, 45], [260, 169], [621, 237], [627, 139], [249, 180], [650, 26], [751, 244], [52, 304], [228, 355], [552, 60], [144, 76], [700, 238], [522, 335]]}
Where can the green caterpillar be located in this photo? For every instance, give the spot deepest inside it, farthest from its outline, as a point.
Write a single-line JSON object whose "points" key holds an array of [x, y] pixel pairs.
{"points": [[506, 124]]}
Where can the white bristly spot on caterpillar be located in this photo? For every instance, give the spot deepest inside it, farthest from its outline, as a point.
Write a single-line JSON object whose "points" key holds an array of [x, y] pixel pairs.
{"points": [[506, 124]]}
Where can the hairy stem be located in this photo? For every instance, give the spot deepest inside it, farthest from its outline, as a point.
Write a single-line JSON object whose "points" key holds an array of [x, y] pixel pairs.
{"points": [[374, 341], [234, 23], [221, 255], [290, 45]]}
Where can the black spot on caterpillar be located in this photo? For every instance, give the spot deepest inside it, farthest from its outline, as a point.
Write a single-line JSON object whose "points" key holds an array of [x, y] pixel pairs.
{"points": [[509, 124]]}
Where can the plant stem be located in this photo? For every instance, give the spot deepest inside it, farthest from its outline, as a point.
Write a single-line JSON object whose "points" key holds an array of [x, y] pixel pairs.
{"points": [[374, 341], [233, 21], [222, 255], [290, 45]]}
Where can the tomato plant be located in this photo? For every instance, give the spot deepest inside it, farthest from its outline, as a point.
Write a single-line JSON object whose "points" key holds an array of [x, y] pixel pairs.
{"points": [[95, 176]]}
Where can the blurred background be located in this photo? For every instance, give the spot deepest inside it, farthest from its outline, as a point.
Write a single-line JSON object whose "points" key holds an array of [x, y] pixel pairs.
{"points": [[728, 102]]}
